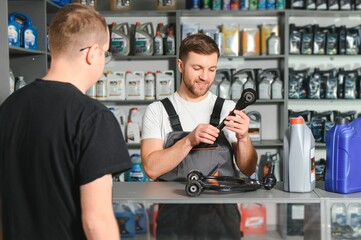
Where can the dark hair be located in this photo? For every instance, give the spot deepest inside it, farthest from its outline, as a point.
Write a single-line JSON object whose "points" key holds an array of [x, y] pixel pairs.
{"points": [[76, 26], [198, 43]]}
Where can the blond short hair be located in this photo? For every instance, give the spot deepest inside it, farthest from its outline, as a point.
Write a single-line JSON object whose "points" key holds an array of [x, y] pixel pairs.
{"points": [[76, 26]]}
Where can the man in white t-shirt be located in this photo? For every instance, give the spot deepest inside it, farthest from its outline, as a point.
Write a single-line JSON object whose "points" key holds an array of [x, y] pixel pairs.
{"points": [[198, 57]]}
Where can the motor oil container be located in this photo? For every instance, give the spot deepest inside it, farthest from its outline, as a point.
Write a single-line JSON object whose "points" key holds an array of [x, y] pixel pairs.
{"points": [[343, 156], [170, 43], [136, 173], [273, 44], [354, 216], [133, 133], [264, 86], [158, 44], [250, 83], [134, 85], [124, 215], [339, 214], [306, 115], [16, 24], [149, 86], [239, 79], [215, 85], [299, 173], [11, 81], [164, 84], [141, 219], [144, 39], [120, 39], [92, 91], [116, 85], [255, 124], [277, 86], [20, 83], [225, 85], [101, 88], [254, 218], [21, 32], [30, 35]]}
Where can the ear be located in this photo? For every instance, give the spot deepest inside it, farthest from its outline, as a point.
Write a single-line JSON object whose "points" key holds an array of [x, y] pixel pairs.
{"points": [[90, 57], [180, 65]]}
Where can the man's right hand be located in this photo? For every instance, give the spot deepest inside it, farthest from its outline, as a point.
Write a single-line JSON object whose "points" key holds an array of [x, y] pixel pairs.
{"points": [[203, 133]]}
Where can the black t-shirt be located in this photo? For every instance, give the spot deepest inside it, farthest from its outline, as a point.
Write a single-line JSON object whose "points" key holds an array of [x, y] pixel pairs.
{"points": [[53, 139]]}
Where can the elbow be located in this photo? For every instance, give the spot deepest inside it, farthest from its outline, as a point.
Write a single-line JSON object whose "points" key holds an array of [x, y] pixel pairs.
{"points": [[150, 173], [89, 225]]}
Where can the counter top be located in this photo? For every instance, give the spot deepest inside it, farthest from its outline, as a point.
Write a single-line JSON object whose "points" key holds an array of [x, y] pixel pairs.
{"points": [[174, 192]]}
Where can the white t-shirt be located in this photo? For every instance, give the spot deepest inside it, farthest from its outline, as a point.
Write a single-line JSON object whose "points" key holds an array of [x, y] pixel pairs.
{"points": [[156, 121]]}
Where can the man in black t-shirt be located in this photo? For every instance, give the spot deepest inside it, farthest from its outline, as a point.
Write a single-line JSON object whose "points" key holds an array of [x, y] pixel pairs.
{"points": [[58, 147]]}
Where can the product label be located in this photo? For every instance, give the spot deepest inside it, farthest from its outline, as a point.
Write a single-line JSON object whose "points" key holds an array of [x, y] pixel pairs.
{"points": [[115, 88], [313, 165], [13, 36], [136, 174], [29, 39], [298, 212], [117, 44], [133, 88], [101, 88]]}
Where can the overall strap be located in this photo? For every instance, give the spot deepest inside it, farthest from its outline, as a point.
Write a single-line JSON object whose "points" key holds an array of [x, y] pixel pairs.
{"points": [[216, 114], [173, 116]]}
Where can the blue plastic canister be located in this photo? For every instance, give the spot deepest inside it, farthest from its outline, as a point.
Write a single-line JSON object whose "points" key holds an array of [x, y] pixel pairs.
{"points": [[124, 215], [14, 30], [343, 157], [21, 32]]}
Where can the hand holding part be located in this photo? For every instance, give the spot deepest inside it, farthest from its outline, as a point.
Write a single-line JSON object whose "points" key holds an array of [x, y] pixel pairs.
{"points": [[247, 98]]}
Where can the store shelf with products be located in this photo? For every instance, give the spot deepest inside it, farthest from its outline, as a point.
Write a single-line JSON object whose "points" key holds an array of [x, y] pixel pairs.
{"points": [[174, 193]]}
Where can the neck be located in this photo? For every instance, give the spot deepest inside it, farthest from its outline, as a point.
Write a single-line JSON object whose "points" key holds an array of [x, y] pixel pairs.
{"points": [[62, 70]]}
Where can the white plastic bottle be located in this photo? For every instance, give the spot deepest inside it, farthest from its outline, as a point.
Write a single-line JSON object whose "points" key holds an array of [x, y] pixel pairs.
{"points": [[299, 173], [116, 85], [11, 81], [158, 44], [20, 83], [164, 84], [101, 88], [92, 91], [354, 216], [338, 214], [134, 85], [133, 133], [170, 47], [149, 86]]}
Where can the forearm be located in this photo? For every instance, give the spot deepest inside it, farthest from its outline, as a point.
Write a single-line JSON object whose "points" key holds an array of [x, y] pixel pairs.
{"points": [[97, 210], [161, 161], [245, 155]]}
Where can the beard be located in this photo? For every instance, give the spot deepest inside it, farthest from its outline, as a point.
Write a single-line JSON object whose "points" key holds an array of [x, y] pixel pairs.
{"points": [[195, 91]]}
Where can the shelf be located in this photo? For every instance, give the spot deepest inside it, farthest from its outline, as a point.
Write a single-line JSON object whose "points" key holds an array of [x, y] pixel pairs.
{"points": [[152, 57], [133, 145], [51, 7], [173, 192], [230, 13], [323, 13], [271, 101], [255, 57], [129, 102], [18, 51], [323, 100], [267, 143], [139, 13], [321, 192]]}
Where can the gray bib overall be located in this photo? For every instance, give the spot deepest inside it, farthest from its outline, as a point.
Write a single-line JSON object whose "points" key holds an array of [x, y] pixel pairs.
{"points": [[203, 160]]}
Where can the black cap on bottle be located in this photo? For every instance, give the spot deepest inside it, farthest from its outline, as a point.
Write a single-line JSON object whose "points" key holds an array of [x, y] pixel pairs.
{"points": [[341, 120]]}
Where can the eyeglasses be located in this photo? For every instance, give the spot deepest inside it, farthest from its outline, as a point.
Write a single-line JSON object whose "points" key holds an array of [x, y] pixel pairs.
{"points": [[108, 55]]}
